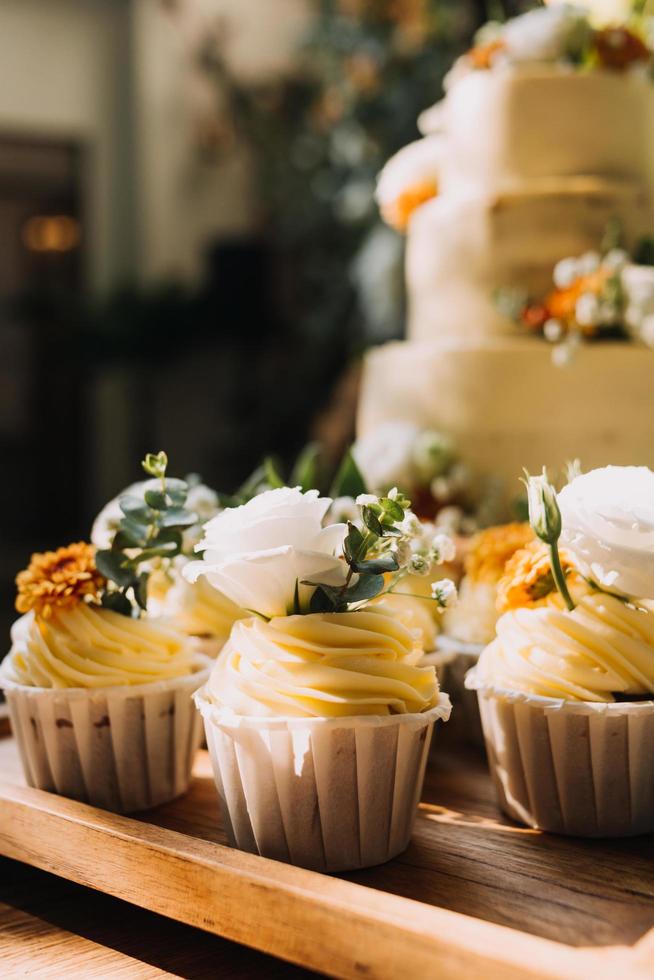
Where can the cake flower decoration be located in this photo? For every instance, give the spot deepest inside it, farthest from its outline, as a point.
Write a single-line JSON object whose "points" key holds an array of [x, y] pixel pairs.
{"points": [[545, 519], [274, 556]]}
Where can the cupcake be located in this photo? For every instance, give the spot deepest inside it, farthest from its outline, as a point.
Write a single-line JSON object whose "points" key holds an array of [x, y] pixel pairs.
{"points": [[198, 610], [99, 692], [566, 689], [470, 625], [318, 712]]}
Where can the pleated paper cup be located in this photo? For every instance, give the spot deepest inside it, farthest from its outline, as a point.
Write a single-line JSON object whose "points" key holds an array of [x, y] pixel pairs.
{"points": [[122, 748], [331, 794], [462, 658], [571, 767]]}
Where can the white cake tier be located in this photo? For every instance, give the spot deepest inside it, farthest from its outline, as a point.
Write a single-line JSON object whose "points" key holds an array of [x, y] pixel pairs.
{"points": [[462, 248], [528, 121], [509, 407]]}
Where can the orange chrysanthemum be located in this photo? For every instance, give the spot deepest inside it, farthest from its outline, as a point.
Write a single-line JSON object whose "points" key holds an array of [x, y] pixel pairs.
{"points": [[528, 577], [59, 579], [491, 549], [398, 212]]}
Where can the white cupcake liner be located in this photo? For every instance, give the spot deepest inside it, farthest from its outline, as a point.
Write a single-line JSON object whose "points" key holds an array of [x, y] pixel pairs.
{"points": [[571, 767], [463, 657], [120, 748], [331, 794]]}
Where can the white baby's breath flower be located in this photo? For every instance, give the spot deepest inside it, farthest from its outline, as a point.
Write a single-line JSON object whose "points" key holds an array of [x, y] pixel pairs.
{"points": [[553, 330], [587, 310], [589, 262], [443, 548], [616, 259], [449, 519], [393, 493], [563, 354], [444, 592], [366, 500], [419, 565], [410, 527], [433, 454], [402, 551], [565, 272], [441, 488]]}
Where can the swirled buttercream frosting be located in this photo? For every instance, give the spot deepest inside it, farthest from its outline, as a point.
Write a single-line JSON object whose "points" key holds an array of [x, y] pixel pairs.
{"points": [[602, 649], [201, 610], [86, 646], [322, 665]]}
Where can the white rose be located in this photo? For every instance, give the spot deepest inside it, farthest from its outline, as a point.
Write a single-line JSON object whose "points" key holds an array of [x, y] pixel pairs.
{"points": [[385, 456], [255, 554], [608, 527], [546, 34]]}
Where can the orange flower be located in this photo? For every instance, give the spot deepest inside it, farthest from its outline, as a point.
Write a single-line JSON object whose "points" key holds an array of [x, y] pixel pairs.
{"points": [[491, 549], [398, 212], [59, 579], [561, 303], [481, 56], [618, 47], [528, 577]]}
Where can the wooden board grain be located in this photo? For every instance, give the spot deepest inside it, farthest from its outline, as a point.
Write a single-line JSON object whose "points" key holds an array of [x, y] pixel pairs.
{"points": [[474, 895]]}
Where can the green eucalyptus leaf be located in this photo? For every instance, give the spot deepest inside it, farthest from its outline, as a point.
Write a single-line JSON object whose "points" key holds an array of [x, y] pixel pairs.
{"points": [[117, 602], [376, 566], [306, 471], [353, 543], [135, 530], [392, 509], [367, 587], [111, 565], [157, 499], [167, 549], [324, 599], [178, 517], [349, 481], [123, 541], [372, 522], [141, 590], [135, 509]]}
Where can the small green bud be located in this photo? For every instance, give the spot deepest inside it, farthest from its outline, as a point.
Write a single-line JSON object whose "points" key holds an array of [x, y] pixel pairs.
{"points": [[155, 464], [544, 513]]}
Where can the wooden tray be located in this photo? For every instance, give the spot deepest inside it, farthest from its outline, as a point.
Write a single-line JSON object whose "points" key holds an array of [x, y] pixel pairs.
{"points": [[474, 895]]}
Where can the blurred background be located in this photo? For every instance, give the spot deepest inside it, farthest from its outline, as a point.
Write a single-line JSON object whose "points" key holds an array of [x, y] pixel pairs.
{"points": [[191, 256]]}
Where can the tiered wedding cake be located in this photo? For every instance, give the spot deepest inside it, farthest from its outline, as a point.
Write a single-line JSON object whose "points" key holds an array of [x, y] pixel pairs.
{"points": [[540, 143]]}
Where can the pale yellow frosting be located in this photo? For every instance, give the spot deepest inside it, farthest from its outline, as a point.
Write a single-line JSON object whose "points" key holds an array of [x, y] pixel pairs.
{"points": [[85, 646], [201, 610], [415, 613], [604, 646], [323, 665]]}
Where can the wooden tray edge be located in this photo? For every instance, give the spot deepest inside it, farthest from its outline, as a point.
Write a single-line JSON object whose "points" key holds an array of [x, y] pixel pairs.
{"points": [[288, 912]]}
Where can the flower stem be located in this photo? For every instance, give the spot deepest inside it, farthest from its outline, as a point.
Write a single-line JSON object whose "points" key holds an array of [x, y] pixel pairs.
{"points": [[559, 577]]}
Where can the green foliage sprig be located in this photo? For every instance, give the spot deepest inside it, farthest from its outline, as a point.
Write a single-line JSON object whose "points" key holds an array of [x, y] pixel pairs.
{"points": [[545, 519], [150, 529], [367, 554]]}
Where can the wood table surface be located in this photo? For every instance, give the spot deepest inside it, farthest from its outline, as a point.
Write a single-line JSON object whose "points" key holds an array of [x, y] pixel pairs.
{"points": [[51, 928]]}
